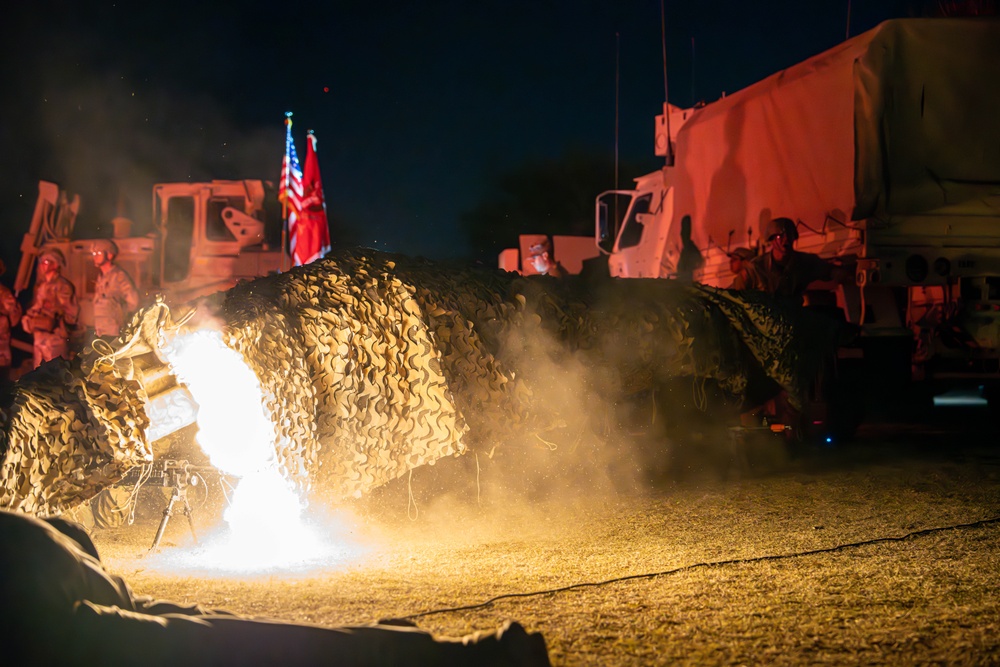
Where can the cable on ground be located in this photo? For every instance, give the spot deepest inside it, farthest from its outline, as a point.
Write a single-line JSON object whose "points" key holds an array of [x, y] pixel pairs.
{"points": [[685, 568]]}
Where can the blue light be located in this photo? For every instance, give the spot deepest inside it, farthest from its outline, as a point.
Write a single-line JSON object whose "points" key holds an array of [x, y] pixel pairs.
{"points": [[829, 440]]}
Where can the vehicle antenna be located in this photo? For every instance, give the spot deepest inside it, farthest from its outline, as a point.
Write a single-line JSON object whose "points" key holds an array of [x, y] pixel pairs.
{"points": [[617, 94], [666, 97]]}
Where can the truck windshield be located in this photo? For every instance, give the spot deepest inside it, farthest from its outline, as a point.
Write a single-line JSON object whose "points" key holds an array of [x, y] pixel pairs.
{"points": [[632, 229]]}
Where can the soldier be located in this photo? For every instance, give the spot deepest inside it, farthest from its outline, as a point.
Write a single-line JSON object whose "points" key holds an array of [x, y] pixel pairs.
{"points": [[115, 295], [54, 309], [784, 271], [10, 315], [739, 264], [690, 259], [59, 606], [541, 259]]}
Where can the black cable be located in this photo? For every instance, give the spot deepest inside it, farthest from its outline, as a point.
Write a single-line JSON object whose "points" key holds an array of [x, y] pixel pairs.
{"points": [[719, 563]]}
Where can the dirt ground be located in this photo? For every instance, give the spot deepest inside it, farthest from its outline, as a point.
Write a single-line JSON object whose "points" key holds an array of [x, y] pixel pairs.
{"points": [[882, 551]]}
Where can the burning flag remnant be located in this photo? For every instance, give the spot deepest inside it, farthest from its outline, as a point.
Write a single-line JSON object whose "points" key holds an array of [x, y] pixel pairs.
{"points": [[371, 365]]}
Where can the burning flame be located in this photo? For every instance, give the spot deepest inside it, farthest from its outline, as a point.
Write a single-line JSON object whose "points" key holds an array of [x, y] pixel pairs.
{"points": [[267, 529]]}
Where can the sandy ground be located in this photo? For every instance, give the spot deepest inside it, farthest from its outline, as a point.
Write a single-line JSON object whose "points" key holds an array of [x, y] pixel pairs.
{"points": [[882, 551]]}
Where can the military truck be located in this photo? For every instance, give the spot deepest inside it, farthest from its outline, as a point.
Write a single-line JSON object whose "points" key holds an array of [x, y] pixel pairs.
{"points": [[204, 237], [885, 151]]}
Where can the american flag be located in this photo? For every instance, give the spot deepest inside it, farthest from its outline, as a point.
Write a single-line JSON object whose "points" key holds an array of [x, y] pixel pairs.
{"points": [[290, 190]]}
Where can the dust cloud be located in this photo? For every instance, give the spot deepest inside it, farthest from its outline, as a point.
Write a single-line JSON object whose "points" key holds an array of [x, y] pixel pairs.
{"points": [[590, 446]]}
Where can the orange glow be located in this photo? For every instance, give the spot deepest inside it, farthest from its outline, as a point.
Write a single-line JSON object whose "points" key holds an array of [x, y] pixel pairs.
{"points": [[266, 527]]}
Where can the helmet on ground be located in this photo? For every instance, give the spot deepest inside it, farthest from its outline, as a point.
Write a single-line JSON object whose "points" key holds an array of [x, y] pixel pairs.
{"points": [[107, 246], [780, 227], [746, 254], [53, 254]]}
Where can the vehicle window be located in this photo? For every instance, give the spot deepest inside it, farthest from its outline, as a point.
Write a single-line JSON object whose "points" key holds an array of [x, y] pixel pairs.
{"points": [[632, 230], [178, 230], [215, 226]]}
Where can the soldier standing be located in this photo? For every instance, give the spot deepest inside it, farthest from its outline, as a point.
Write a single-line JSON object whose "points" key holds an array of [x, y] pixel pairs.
{"points": [[10, 315], [115, 295], [115, 298], [739, 264], [54, 308], [784, 271], [690, 259], [540, 256]]}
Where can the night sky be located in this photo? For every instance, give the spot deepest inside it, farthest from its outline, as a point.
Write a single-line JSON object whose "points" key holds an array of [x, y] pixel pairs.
{"points": [[417, 106]]}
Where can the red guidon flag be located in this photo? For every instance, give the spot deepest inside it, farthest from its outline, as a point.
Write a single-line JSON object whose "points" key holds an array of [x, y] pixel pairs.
{"points": [[312, 239]]}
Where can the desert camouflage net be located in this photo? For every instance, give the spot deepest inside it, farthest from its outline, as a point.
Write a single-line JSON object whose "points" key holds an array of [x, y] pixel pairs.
{"points": [[67, 435], [375, 364]]}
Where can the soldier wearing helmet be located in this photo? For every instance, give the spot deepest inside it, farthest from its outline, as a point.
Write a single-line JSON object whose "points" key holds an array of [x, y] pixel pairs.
{"points": [[54, 308], [115, 295], [10, 315], [739, 264], [784, 271], [542, 261]]}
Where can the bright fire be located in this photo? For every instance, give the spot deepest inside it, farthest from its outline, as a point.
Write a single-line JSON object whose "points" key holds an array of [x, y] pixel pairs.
{"points": [[267, 529]]}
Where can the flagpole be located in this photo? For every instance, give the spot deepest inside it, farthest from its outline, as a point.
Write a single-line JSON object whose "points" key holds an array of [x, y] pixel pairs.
{"points": [[284, 200]]}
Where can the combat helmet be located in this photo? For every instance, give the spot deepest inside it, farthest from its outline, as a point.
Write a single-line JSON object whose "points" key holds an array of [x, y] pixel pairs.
{"points": [[55, 254], [784, 226], [107, 246]]}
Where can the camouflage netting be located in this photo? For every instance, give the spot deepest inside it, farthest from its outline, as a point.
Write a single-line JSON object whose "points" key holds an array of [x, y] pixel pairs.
{"points": [[66, 436], [374, 364]]}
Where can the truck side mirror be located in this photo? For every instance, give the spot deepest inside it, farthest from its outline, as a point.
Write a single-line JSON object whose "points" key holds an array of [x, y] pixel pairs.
{"points": [[603, 236]]}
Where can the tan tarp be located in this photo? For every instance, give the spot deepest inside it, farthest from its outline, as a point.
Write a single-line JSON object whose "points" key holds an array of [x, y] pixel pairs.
{"points": [[902, 119]]}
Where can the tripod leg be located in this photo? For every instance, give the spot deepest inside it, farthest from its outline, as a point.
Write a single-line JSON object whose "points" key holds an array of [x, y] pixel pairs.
{"points": [[190, 518], [166, 518]]}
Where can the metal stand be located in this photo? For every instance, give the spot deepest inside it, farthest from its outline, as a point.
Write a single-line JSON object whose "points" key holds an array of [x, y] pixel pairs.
{"points": [[180, 493]]}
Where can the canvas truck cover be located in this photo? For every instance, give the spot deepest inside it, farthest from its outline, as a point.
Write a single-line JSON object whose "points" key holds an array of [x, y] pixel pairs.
{"points": [[901, 120]]}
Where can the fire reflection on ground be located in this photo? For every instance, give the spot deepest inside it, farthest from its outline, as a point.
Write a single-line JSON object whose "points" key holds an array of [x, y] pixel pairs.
{"points": [[305, 546]]}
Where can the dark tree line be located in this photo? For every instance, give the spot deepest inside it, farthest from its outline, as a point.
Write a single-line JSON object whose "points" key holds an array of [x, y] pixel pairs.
{"points": [[553, 196]]}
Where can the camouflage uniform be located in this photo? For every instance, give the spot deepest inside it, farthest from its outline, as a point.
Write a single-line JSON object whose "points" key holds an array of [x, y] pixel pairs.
{"points": [[788, 280], [10, 315], [54, 306], [115, 298], [739, 263]]}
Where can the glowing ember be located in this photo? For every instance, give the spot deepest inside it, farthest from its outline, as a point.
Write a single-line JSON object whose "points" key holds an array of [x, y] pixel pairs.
{"points": [[266, 527]]}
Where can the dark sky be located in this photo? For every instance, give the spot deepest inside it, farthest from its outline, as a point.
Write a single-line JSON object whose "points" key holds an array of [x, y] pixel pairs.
{"points": [[416, 105]]}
